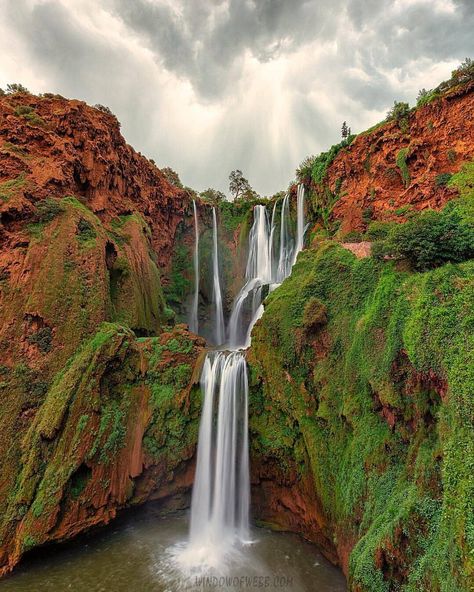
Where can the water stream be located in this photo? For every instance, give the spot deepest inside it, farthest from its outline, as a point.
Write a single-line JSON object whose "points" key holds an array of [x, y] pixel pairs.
{"points": [[219, 327], [194, 319]]}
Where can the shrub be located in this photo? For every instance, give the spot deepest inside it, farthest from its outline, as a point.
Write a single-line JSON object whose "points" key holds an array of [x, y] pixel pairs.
{"points": [[42, 338], [212, 196], [367, 214], [443, 179], [103, 108], [314, 314], [16, 88], [30, 115], [402, 165], [48, 209], [464, 73], [426, 96], [378, 230], [315, 167], [352, 237], [85, 230], [172, 177], [432, 238], [399, 111], [403, 210]]}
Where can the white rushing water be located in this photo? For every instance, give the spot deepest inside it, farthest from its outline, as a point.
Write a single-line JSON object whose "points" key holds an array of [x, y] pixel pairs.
{"points": [[221, 497], [300, 226], [259, 273], [285, 257], [219, 327], [194, 320], [221, 492]]}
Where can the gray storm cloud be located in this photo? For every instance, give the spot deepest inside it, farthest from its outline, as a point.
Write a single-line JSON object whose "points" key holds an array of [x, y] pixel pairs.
{"points": [[206, 86]]}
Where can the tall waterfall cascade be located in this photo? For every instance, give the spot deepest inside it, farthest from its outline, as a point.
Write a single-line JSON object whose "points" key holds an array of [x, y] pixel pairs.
{"points": [[221, 492], [219, 327], [194, 318]]}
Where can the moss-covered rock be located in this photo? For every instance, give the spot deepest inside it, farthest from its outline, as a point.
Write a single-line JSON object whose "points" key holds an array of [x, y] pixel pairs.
{"points": [[375, 409], [117, 426]]}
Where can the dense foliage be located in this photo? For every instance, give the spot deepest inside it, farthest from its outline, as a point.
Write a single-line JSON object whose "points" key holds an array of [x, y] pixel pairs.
{"points": [[432, 238], [376, 404]]}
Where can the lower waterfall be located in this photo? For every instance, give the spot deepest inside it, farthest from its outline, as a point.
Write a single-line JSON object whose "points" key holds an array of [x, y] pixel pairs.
{"points": [[220, 504]]}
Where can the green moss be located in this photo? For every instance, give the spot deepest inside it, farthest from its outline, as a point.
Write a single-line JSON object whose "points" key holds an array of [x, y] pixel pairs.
{"points": [[29, 542], [401, 161], [30, 115], [181, 272], [405, 484], [10, 188], [463, 180]]}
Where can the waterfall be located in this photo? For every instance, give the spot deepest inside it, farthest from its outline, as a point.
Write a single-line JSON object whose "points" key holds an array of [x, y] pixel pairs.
{"points": [[300, 227], [221, 492], [221, 496], [219, 328], [194, 321], [286, 244], [259, 273], [272, 240], [259, 264]]}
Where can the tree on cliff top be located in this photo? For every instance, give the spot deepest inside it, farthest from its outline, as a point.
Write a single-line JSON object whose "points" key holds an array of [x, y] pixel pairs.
{"points": [[14, 88], [172, 177], [238, 184]]}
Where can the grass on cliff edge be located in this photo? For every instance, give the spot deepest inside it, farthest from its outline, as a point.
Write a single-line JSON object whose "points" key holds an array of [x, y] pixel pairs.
{"points": [[401, 484]]}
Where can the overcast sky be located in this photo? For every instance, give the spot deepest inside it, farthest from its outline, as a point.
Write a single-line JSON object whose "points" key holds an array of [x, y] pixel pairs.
{"points": [[207, 86]]}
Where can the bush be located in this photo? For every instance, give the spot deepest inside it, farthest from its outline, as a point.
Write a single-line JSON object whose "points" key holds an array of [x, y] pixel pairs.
{"points": [[314, 314], [464, 73], [103, 108], [432, 238], [48, 209], [212, 196], [400, 110], [368, 214], [352, 237], [426, 96], [378, 230], [443, 179], [172, 177], [30, 115], [85, 230], [17, 88], [314, 168], [43, 339], [402, 165]]}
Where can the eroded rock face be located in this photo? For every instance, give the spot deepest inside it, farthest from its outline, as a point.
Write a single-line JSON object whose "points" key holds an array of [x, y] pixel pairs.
{"points": [[53, 147], [397, 167], [99, 404]]}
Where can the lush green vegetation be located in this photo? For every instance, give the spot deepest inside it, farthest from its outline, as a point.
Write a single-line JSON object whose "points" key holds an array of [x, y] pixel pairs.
{"points": [[431, 238], [401, 161], [314, 168], [375, 400]]}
